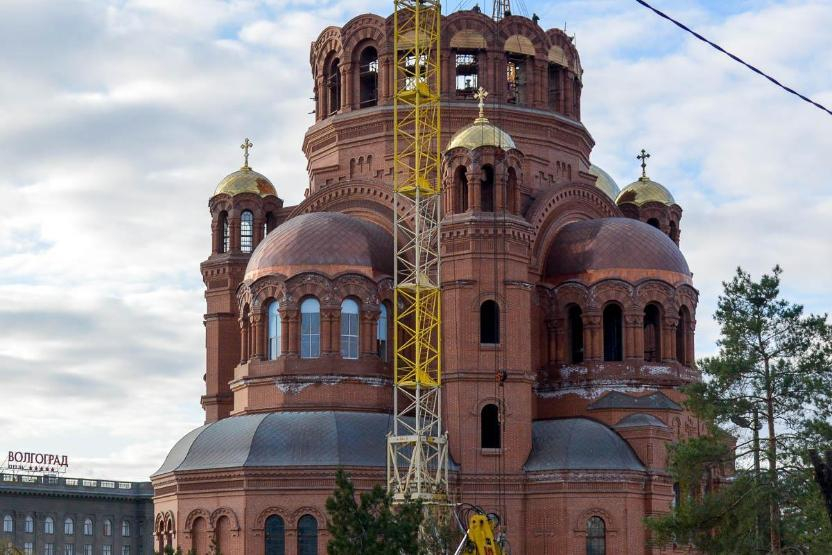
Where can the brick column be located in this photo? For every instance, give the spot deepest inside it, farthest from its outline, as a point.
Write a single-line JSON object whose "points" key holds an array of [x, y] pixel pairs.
{"points": [[593, 338], [258, 351], [290, 334], [244, 341], [347, 87], [330, 331], [234, 227], [669, 339], [367, 333], [633, 327], [554, 340]]}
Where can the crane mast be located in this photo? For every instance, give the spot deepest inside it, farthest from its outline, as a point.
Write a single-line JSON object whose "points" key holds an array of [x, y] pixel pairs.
{"points": [[417, 448]]}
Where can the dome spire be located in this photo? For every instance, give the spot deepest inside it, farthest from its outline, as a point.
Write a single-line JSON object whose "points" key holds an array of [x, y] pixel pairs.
{"points": [[481, 95], [246, 146], [643, 157]]}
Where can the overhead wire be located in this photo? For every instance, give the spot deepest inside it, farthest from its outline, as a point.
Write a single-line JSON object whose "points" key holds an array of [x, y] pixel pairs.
{"points": [[735, 57]]}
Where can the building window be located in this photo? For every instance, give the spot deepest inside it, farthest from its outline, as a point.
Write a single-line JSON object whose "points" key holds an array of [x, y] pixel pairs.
{"points": [[677, 495], [274, 330], [487, 189], [275, 536], [515, 79], [490, 427], [511, 191], [682, 336], [29, 525], [106, 550], [333, 86], [613, 348], [69, 549], [467, 72], [28, 548], [349, 329], [310, 332], [555, 87], [49, 526], [49, 549], [69, 526], [576, 335], [87, 549], [88, 527], [307, 535], [125, 528], [368, 77], [652, 334], [246, 231], [654, 222], [108, 527], [225, 243], [125, 550], [461, 189], [489, 323], [8, 524], [596, 536], [412, 74], [381, 333]]}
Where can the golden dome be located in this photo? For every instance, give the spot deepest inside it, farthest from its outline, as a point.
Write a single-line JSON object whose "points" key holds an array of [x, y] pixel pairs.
{"points": [[643, 191], [481, 133], [605, 182], [245, 180]]}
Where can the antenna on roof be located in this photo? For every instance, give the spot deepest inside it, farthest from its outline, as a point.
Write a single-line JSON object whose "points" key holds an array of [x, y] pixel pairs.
{"points": [[501, 9]]}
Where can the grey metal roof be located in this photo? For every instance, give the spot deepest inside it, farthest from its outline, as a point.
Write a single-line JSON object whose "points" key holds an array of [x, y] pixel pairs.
{"points": [[324, 438], [640, 419], [618, 400], [578, 444]]}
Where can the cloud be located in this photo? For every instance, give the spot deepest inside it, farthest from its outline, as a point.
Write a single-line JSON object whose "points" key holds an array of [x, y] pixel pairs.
{"points": [[119, 120]]}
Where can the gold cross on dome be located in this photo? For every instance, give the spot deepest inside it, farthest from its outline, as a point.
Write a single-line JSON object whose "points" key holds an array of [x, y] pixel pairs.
{"points": [[480, 95], [643, 157], [246, 146]]}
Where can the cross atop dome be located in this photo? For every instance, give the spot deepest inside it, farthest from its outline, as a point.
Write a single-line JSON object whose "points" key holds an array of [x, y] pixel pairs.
{"points": [[481, 95], [246, 146], [643, 157]]}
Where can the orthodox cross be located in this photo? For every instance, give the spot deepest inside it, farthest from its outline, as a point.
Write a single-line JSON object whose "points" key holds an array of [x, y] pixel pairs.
{"points": [[246, 146], [480, 95], [643, 157]]}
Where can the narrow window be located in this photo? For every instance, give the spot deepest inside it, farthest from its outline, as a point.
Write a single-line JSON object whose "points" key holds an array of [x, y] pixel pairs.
{"points": [[487, 189], [461, 183], [489, 323], [87, 549], [69, 549], [682, 336], [108, 527], [8, 524], [28, 548], [225, 244], [413, 74], [49, 549], [125, 550], [596, 536], [106, 550], [511, 191], [49, 526], [576, 335], [612, 333], [69, 527], [368, 77], [29, 525], [88, 527], [125, 528], [652, 334], [654, 222], [467, 70], [310, 332], [275, 536], [269, 223], [349, 329], [490, 427], [333, 86], [381, 333], [555, 87], [307, 535], [246, 231], [516, 79], [274, 330], [677, 495]]}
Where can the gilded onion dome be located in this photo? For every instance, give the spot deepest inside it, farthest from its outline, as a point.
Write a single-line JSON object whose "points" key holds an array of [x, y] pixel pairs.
{"points": [[605, 182], [482, 132], [245, 180], [643, 191]]}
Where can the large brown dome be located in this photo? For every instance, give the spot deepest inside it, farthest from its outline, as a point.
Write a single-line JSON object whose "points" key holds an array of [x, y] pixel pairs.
{"points": [[615, 247], [328, 242]]}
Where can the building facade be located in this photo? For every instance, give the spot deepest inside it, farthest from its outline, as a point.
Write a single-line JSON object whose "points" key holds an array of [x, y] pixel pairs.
{"points": [[568, 313], [49, 515]]}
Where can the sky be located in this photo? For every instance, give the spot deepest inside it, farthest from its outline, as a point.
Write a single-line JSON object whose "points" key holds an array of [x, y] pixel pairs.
{"points": [[119, 117]]}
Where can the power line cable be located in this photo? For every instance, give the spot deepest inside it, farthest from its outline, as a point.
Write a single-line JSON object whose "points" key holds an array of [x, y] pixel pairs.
{"points": [[734, 57]]}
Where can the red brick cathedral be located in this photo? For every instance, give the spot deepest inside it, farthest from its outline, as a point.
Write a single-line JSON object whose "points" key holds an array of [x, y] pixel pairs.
{"points": [[568, 312]]}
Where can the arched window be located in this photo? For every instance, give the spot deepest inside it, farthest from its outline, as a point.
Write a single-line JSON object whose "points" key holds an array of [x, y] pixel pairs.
{"points": [[108, 527], [490, 427], [275, 536], [307, 535], [69, 526], [487, 189], [613, 349], [310, 328], [349, 329], [652, 334], [199, 536], [596, 536], [461, 187], [225, 238], [48, 525], [368, 77], [467, 73], [576, 335], [333, 87], [511, 191], [8, 524], [88, 527], [555, 87], [654, 222], [682, 336], [381, 332], [247, 231], [516, 78], [125, 528], [269, 223], [489, 323], [222, 534], [274, 330], [29, 525]]}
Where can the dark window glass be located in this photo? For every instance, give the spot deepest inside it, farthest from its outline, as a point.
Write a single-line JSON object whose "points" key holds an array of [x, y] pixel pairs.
{"points": [[333, 85], [275, 536], [368, 77], [652, 334], [461, 182], [576, 335], [490, 427], [596, 536], [467, 70], [613, 349], [682, 336], [307, 535], [654, 222], [487, 189], [489, 322]]}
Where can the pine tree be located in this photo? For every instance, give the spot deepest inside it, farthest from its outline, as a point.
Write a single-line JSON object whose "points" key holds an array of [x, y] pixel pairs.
{"points": [[772, 381]]}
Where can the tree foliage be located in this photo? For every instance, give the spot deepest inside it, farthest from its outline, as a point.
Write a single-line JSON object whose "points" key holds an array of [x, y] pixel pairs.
{"points": [[771, 386]]}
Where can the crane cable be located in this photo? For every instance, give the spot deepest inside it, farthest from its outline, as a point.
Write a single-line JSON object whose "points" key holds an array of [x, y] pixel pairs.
{"points": [[734, 57]]}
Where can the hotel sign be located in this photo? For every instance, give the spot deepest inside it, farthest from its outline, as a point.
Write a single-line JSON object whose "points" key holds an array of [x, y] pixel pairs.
{"points": [[37, 462]]}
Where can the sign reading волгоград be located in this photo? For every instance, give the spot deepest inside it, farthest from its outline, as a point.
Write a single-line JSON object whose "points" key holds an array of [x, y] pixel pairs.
{"points": [[36, 462]]}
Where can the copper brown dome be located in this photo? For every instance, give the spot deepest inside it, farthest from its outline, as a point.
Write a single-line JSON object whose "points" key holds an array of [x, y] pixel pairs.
{"points": [[327, 242], [622, 248]]}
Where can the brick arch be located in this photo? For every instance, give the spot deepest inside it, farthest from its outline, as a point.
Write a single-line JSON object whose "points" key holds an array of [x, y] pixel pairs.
{"points": [[159, 523], [192, 516], [365, 27], [655, 291], [309, 284], [467, 20], [328, 42], [170, 523], [266, 288], [606, 516], [228, 513], [356, 286], [488, 296], [571, 293], [276, 510], [371, 200], [510, 26], [307, 510], [611, 291]]}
